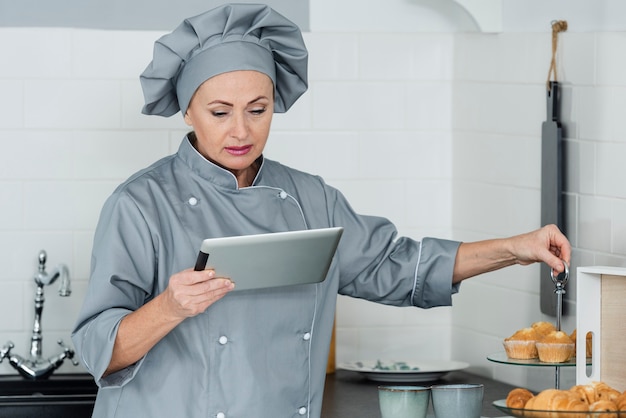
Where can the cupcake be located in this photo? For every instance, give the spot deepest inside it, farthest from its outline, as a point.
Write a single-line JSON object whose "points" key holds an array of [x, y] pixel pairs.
{"points": [[543, 327], [521, 345], [555, 347]]}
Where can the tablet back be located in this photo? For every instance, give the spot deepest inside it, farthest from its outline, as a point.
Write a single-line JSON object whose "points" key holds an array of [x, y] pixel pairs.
{"points": [[271, 260]]}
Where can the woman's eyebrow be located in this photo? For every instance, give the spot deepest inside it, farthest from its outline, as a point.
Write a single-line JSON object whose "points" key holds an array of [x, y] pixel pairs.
{"points": [[257, 99], [220, 102], [224, 102]]}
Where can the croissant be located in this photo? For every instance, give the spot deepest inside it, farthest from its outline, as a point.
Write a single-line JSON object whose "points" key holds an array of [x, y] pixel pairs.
{"points": [[573, 404], [556, 400], [518, 397], [605, 392], [598, 398], [603, 406], [586, 393], [620, 402]]}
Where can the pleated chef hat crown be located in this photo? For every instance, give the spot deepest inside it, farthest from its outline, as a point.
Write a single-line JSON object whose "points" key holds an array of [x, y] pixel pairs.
{"points": [[230, 37]]}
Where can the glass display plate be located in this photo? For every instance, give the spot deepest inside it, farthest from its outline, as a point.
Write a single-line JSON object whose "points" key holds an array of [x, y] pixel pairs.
{"points": [[501, 357], [386, 371], [532, 413]]}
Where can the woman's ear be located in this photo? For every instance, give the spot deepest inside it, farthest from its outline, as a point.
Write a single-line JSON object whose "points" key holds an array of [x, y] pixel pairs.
{"points": [[187, 119]]}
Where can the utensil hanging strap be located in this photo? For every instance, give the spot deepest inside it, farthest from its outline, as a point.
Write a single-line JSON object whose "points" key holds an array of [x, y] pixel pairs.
{"points": [[557, 26]]}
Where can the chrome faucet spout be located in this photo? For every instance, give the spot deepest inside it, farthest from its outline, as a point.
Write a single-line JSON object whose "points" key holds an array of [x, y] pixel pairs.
{"points": [[64, 288], [43, 278]]}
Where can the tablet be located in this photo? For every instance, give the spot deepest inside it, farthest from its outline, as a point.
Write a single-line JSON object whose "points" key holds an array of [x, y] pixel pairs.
{"points": [[271, 260]]}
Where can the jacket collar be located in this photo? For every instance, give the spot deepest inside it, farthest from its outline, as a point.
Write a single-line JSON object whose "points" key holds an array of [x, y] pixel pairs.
{"points": [[209, 170]]}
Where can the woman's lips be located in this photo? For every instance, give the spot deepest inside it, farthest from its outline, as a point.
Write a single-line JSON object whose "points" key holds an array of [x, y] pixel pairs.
{"points": [[239, 150]]}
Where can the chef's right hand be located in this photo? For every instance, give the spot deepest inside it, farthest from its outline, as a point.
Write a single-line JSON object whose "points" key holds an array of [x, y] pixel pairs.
{"points": [[190, 292]]}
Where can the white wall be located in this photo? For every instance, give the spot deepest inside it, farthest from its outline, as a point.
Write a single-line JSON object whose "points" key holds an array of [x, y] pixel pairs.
{"points": [[464, 109], [500, 184], [496, 187], [498, 105], [71, 131]]}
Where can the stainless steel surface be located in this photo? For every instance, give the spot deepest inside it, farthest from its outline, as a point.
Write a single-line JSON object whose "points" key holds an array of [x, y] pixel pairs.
{"points": [[559, 283]]}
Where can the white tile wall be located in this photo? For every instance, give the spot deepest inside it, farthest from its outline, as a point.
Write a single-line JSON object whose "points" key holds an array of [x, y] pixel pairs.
{"points": [[498, 108], [442, 136]]}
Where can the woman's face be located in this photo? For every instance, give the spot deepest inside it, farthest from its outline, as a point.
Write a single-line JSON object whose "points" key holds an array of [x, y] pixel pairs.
{"points": [[231, 114]]}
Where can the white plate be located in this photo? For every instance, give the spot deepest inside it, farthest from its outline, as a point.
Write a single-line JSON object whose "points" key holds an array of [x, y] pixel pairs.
{"points": [[415, 372]]}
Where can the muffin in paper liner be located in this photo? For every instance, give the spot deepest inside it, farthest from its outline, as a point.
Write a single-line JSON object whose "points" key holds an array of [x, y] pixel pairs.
{"points": [[555, 352], [521, 350]]}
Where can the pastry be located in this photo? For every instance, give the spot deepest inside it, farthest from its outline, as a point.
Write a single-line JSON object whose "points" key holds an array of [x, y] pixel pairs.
{"points": [[555, 347], [586, 393], [543, 327], [556, 401], [578, 402], [518, 397], [603, 406], [620, 402], [521, 345], [605, 392]]}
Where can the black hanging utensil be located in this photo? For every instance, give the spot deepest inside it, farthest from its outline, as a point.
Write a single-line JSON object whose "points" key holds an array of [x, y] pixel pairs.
{"points": [[552, 169]]}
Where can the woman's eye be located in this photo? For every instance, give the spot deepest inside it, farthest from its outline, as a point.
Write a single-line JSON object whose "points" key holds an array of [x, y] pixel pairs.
{"points": [[258, 111], [218, 113]]}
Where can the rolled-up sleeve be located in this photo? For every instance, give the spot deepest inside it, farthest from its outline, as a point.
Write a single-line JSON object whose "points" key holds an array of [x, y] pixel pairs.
{"points": [[122, 260], [433, 273], [94, 342]]}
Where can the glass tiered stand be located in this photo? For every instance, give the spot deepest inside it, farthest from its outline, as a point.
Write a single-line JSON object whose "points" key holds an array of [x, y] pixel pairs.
{"points": [[559, 283]]}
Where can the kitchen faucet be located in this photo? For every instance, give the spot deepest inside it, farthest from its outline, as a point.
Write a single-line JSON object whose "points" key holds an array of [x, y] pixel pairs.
{"points": [[35, 367]]}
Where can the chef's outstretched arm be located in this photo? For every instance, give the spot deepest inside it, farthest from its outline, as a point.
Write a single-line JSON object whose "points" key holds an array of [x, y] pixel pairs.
{"points": [[188, 294], [546, 245]]}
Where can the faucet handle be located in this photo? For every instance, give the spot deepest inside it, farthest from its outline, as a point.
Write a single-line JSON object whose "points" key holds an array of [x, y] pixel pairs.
{"points": [[69, 353], [42, 260], [5, 351]]}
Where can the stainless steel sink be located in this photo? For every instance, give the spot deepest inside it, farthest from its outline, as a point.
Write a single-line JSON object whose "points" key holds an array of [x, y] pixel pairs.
{"points": [[61, 395]]}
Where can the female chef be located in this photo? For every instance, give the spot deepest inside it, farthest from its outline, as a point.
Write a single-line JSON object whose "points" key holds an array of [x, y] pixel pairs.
{"points": [[162, 340]]}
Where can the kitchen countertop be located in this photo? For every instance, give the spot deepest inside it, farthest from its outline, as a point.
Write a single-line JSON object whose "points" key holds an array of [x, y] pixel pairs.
{"points": [[350, 395]]}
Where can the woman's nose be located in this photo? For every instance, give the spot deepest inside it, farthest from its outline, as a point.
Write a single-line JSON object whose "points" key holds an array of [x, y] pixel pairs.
{"points": [[239, 127]]}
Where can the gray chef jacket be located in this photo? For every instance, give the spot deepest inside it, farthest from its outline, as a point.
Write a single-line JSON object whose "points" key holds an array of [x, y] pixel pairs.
{"points": [[259, 353]]}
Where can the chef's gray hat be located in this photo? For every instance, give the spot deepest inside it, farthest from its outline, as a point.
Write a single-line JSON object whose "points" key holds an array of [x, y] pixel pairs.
{"points": [[230, 37]]}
